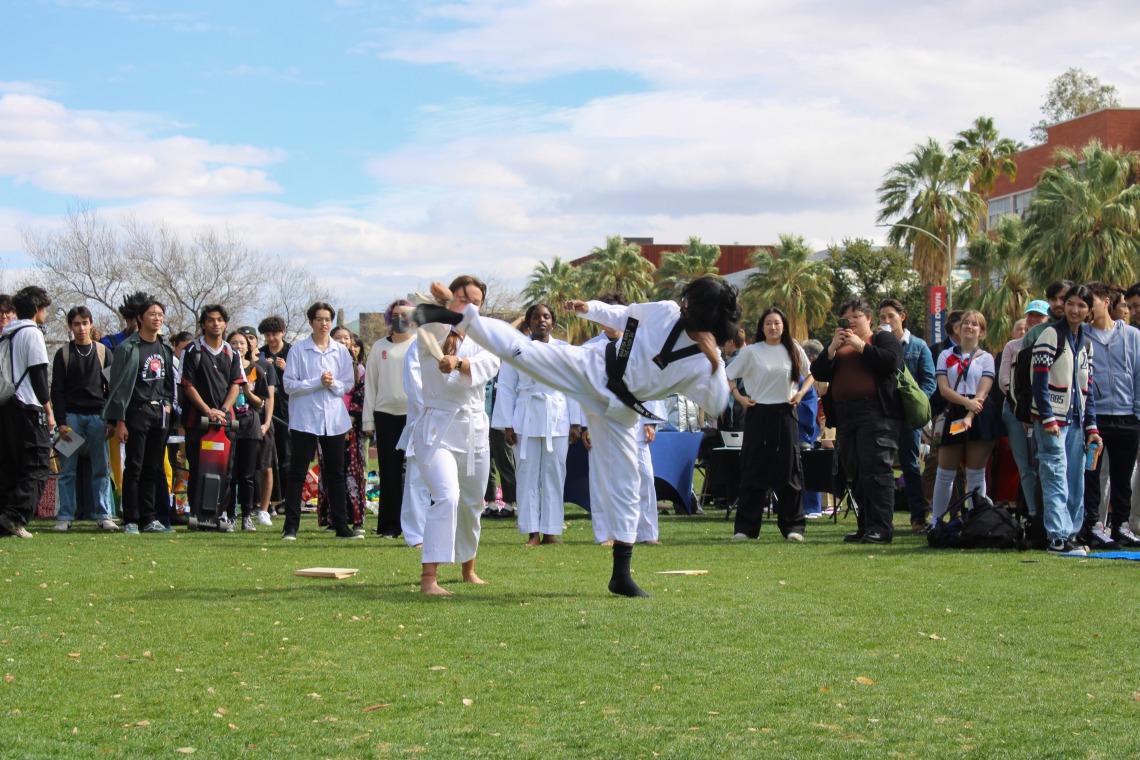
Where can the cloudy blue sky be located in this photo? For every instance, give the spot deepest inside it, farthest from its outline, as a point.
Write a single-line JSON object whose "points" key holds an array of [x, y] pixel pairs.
{"points": [[390, 143]]}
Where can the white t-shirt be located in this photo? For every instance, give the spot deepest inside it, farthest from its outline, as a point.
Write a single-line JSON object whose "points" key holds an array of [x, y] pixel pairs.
{"points": [[950, 365], [28, 350], [767, 372]]}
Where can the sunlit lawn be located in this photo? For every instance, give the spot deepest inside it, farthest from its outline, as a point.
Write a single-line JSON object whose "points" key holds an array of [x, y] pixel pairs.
{"points": [[147, 645]]}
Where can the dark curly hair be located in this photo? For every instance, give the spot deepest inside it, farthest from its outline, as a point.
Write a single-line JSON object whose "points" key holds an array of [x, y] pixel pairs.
{"points": [[708, 304]]}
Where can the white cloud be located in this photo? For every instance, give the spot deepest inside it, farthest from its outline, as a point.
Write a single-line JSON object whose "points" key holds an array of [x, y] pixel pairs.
{"points": [[99, 154]]}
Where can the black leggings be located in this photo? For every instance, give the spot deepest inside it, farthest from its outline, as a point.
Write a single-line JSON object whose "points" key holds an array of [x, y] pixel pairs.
{"points": [[243, 475]]}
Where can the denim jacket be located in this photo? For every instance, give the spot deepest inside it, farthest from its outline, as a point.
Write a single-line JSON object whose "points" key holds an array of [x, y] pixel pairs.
{"points": [[917, 358]]}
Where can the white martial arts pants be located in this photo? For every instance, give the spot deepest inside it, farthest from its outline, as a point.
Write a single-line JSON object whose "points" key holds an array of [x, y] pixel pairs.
{"points": [[540, 478], [647, 519], [417, 499], [451, 524], [578, 372]]}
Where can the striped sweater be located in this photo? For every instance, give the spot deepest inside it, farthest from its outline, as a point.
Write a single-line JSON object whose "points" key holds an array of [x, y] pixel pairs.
{"points": [[1053, 377]]}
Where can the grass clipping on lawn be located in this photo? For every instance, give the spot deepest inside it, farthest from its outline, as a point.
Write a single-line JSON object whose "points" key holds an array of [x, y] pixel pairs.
{"points": [[207, 643]]}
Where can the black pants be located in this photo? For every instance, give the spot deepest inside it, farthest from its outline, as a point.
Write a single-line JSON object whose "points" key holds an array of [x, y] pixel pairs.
{"points": [[25, 447], [770, 464], [503, 462], [142, 467], [1121, 437], [243, 476], [867, 442], [304, 447], [193, 456], [390, 464], [284, 446]]}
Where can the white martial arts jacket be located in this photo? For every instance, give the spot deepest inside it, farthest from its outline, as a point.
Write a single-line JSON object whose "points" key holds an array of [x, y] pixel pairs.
{"points": [[692, 376], [414, 391], [533, 409], [454, 416]]}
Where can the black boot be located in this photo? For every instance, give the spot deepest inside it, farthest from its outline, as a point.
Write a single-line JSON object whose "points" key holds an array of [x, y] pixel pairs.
{"points": [[621, 582], [427, 313]]}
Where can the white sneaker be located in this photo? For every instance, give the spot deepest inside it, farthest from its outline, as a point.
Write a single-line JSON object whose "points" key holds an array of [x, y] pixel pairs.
{"points": [[796, 537], [107, 525], [1125, 536], [62, 526], [263, 518], [1100, 538], [739, 537]]}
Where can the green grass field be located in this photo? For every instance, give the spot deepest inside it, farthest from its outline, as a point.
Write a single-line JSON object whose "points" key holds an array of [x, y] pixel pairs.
{"points": [[150, 645]]}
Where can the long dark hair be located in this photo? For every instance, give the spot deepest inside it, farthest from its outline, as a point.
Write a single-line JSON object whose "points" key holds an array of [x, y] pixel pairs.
{"points": [[708, 304], [785, 339]]}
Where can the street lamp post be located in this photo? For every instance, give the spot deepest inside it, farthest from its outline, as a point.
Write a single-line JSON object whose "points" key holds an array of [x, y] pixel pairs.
{"points": [[945, 248]]}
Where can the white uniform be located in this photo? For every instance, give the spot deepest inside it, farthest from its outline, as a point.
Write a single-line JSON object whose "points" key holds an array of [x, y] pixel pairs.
{"points": [[451, 447], [647, 504], [581, 373], [417, 498], [541, 418]]}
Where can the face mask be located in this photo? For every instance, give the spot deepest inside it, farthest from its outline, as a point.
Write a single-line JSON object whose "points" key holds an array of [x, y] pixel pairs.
{"points": [[399, 325]]}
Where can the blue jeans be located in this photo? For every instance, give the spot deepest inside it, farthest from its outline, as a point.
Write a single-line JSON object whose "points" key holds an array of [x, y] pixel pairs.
{"points": [[1061, 467], [89, 427], [1025, 454], [912, 475]]}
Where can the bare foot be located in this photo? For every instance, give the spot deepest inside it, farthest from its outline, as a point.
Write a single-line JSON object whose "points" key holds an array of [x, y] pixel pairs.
{"points": [[551, 540], [533, 540], [607, 543], [418, 546], [473, 578], [429, 586], [652, 543]]}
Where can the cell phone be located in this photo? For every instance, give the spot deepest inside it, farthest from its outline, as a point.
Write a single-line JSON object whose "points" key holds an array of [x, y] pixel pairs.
{"points": [[844, 323]]}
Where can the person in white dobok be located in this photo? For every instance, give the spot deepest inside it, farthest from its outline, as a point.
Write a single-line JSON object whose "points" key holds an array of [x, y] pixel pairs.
{"points": [[660, 352], [417, 498], [450, 437], [540, 423]]}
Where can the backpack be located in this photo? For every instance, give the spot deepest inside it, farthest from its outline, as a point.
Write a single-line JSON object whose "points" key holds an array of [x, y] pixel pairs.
{"points": [[915, 403], [100, 349], [982, 526], [8, 388]]}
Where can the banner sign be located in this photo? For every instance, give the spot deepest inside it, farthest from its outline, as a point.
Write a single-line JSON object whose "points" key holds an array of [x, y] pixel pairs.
{"points": [[937, 315]]}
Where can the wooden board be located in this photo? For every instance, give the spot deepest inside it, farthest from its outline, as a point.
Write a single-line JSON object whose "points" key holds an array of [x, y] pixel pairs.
{"points": [[682, 572], [327, 572]]}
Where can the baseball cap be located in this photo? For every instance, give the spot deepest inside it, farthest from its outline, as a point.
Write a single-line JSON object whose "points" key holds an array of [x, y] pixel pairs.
{"points": [[248, 331], [1038, 307]]}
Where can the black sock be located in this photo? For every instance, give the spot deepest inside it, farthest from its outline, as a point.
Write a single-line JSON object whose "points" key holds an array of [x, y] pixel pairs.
{"points": [[427, 313], [621, 582]]}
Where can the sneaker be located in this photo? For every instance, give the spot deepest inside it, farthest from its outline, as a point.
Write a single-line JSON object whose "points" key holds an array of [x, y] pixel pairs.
{"points": [[505, 512], [1125, 536], [12, 527], [131, 529], [1063, 546], [813, 515], [247, 524], [154, 526], [1099, 539], [853, 538], [350, 536], [875, 538], [107, 524], [797, 538], [739, 537], [289, 537], [491, 511], [263, 518], [62, 526], [358, 530]]}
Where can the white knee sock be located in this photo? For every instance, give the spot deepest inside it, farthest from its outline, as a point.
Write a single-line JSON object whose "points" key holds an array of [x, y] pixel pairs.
{"points": [[976, 479], [943, 486]]}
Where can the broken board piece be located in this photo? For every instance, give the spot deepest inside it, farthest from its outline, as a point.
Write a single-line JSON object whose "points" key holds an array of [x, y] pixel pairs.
{"points": [[327, 572], [682, 572]]}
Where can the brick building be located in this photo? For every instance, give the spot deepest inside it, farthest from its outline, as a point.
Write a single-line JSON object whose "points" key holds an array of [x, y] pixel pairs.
{"points": [[1111, 126]]}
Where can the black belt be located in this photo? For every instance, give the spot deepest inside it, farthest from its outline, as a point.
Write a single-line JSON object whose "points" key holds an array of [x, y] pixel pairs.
{"points": [[617, 359]]}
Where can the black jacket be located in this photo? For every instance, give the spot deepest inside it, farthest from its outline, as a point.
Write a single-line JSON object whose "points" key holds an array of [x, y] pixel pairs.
{"points": [[883, 355]]}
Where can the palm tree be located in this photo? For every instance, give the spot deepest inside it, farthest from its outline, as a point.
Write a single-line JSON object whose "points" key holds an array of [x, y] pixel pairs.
{"points": [[789, 279], [1002, 284], [619, 267], [553, 285], [681, 267], [928, 195], [1083, 222], [988, 155]]}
